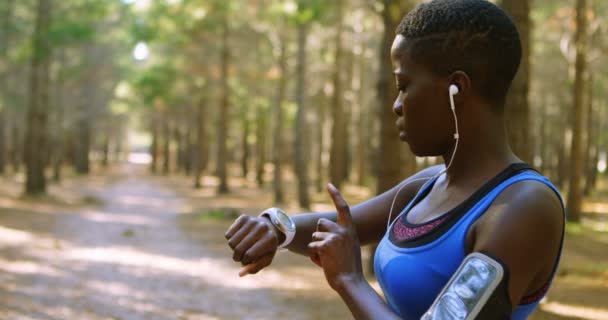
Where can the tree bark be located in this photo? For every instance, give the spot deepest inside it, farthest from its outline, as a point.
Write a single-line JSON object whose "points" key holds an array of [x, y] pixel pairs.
{"points": [[106, 142], [261, 137], [83, 142], [517, 107], [60, 133], [302, 134], [590, 163], [321, 121], [166, 143], [245, 147], [222, 135], [17, 146], [362, 125], [337, 156], [201, 141], [35, 142], [155, 143], [5, 16], [277, 146], [575, 191]]}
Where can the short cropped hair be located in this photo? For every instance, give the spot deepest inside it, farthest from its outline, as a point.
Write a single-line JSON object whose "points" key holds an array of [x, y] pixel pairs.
{"points": [[474, 36]]}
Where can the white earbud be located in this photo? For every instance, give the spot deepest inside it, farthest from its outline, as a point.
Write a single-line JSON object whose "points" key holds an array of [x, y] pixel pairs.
{"points": [[454, 89]]}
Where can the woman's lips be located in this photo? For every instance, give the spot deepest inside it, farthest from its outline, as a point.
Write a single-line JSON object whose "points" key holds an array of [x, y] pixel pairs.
{"points": [[401, 127]]}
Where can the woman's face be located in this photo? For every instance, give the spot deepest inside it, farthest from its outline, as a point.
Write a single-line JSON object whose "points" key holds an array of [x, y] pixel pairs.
{"points": [[425, 120]]}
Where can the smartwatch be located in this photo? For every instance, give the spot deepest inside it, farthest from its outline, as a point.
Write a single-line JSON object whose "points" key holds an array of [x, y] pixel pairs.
{"points": [[282, 222]]}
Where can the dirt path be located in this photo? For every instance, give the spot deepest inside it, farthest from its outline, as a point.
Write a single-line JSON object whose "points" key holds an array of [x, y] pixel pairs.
{"points": [[130, 259], [144, 248]]}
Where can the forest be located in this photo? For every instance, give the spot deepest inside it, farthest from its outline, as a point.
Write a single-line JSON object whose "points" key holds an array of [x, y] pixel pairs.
{"points": [[245, 104]]}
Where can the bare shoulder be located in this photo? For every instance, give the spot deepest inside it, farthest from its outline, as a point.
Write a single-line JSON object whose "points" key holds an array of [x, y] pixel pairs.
{"points": [[523, 227], [529, 202]]}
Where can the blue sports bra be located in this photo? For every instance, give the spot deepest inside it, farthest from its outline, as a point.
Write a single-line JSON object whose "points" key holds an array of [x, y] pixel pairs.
{"points": [[411, 277]]}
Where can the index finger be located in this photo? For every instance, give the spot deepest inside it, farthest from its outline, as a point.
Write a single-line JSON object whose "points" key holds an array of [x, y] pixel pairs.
{"points": [[343, 210], [236, 226]]}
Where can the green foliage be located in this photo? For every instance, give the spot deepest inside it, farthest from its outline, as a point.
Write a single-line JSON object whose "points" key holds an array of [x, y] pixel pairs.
{"points": [[68, 32], [156, 82]]}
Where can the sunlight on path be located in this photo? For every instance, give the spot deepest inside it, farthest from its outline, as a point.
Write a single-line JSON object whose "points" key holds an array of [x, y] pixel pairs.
{"points": [[130, 259], [575, 311]]}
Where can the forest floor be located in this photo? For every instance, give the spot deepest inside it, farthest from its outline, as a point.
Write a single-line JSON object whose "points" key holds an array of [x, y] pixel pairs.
{"points": [[122, 244]]}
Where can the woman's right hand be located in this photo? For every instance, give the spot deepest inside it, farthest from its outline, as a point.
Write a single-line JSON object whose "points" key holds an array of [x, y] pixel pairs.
{"points": [[254, 241]]}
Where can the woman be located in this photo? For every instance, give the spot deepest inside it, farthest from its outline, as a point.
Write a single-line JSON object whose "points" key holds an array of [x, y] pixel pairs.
{"points": [[477, 238]]}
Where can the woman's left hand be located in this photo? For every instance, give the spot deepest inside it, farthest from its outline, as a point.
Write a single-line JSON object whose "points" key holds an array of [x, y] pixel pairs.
{"points": [[335, 246]]}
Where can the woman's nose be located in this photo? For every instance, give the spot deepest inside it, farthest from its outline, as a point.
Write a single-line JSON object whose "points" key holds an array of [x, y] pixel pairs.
{"points": [[398, 105]]}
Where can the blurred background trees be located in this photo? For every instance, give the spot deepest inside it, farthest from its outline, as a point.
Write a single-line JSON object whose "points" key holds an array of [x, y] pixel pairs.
{"points": [[287, 94]]}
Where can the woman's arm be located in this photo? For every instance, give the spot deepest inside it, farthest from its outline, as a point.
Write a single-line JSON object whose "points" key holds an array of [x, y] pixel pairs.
{"points": [[254, 240], [335, 248], [363, 301], [370, 217]]}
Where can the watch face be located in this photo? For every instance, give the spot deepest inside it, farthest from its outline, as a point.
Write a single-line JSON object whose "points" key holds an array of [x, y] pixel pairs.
{"points": [[285, 220]]}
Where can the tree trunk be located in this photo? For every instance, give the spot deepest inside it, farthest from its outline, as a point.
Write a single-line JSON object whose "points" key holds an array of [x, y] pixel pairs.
{"points": [[2, 137], [166, 144], [349, 101], [277, 146], [155, 143], [106, 143], [190, 141], [83, 143], [261, 137], [60, 134], [544, 136], [362, 126], [302, 134], [35, 142], [201, 141], [599, 116], [181, 141], [5, 16], [16, 145], [337, 157], [320, 134], [576, 165], [222, 135], [245, 147], [590, 163], [517, 106]]}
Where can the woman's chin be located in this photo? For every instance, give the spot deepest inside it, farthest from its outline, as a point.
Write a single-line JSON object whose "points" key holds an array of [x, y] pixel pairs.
{"points": [[403, 136]]}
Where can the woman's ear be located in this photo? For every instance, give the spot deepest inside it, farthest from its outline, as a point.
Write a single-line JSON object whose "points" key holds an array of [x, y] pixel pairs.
{"points": [[462, 81]]}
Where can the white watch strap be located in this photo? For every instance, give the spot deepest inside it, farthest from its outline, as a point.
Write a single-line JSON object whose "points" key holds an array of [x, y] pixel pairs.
{"points": [[289, 235], [271, 214]]}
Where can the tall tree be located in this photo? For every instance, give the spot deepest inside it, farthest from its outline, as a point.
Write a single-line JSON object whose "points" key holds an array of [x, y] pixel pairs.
{"points": [[35, 141], [302, 133], [517, 106], [575, 191], [337, 156], [201, 141], [6, 9], [222, 129], [591, 154], [278, 121]]}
